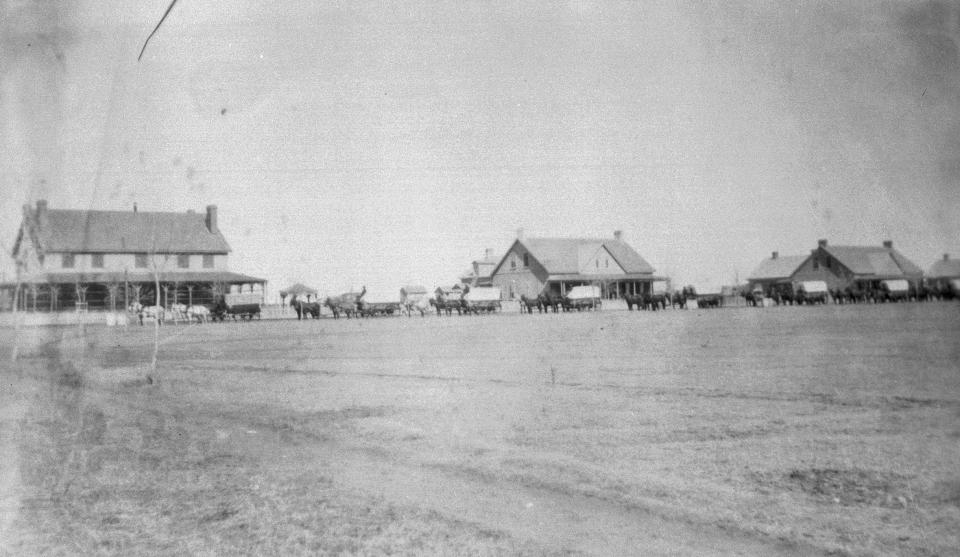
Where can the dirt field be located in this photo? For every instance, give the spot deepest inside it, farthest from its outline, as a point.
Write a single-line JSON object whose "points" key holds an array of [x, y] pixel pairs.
{"points": [[782, 431]]}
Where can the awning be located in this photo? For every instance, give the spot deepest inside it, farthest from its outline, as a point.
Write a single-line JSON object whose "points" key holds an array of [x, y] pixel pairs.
{"points": [[119, 277]]}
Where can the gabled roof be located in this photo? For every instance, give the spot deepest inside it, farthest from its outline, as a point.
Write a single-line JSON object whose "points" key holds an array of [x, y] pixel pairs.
{"points": [[67, 230], [873, 260], [569, 255], [945, 268], [778, 268]]}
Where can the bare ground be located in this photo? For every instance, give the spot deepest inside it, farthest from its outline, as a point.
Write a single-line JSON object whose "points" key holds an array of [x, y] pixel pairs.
{"points": [[790, 431]]}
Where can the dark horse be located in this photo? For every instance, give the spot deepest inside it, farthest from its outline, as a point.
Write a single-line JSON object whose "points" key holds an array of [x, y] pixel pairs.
{"points": [[350, 303], [304, 309], [448, 303], [527, 304], [549, 300], [633, 300]]}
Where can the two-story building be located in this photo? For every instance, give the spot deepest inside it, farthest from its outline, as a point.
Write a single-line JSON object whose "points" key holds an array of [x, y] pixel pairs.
{"points": [[558, 264], [76, 259]]}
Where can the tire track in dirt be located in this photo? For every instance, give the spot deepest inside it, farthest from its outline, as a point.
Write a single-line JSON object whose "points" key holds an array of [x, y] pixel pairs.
{"points": [[557, 521]]}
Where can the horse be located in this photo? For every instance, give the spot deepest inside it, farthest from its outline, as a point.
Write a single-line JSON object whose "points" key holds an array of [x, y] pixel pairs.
{"points": [[305, 308], [421, 304], [448, 304], [150, 312], [527, 304], [549, 300], [179, 312], [349, 303], [655, 301], [678, 300], [633, 300], [753, 297], [200, 313]]}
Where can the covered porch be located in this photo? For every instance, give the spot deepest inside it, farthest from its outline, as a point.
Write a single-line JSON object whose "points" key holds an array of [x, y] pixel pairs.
{"points": [[612, 287], [55, 292]]}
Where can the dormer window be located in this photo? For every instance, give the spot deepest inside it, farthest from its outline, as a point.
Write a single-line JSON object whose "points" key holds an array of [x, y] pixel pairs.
{"points": [[208, 261], [67, 261]]}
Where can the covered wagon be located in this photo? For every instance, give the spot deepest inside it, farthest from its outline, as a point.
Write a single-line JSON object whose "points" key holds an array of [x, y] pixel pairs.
{"points": [[415, 298], [811, 292], [894, 290], [482, 299], [582, 297]]}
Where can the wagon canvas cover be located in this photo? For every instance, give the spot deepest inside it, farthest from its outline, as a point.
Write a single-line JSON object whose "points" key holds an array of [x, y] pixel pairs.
{"points": [[897, 285], [584, 292], [814, 286], [483, 294]]}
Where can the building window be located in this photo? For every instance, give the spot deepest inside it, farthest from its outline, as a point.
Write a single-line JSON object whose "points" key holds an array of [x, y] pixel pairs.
{"points": [[97, 261], [67, 261], [606, 263], [140, 260], [526, 260], [208, 261], [183, 261], [513, 263], [816, 264], [597, 263]]}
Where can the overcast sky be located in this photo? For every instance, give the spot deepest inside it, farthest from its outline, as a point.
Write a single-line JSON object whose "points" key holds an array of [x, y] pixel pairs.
{"points": [[352, 143]]}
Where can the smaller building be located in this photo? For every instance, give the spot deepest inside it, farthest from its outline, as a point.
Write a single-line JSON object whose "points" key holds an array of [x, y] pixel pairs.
{"points": [[840, 267], [775, 272], [944, 274], [480, 272], [862, 267]]}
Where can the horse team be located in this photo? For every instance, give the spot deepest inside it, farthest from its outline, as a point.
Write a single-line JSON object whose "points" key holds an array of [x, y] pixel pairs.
{"points": [[352, 304]]}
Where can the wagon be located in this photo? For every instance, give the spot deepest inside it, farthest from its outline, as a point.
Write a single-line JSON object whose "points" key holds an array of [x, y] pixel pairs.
{"points": [[483, 299], [242, 306], [372, 309], [811, 292], [894, 290], [582, 297]]}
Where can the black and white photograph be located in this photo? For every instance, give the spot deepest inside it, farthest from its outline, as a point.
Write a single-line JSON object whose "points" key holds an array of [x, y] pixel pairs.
{"points": [[580, 277]]}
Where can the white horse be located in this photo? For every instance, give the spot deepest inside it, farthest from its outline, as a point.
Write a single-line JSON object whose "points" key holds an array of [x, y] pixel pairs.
{"points": [[179, 312], [200, 313], [421, 304], [150, 312]]}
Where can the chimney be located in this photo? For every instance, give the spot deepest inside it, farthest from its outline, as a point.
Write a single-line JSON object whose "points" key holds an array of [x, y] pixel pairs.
{"points": [[888, 244], [488, 253], [520, 234], [822, 243], [618, 235], [946, 257], [775, 255], [212, 218], [42, 212]]}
